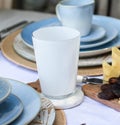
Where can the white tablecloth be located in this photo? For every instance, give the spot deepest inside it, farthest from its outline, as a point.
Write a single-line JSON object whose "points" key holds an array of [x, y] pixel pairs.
{"points": [[89, 111]]}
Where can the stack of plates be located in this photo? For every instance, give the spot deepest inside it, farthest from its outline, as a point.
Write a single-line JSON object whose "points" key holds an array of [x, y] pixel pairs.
{"points": [[103, 36], [20, 104]]}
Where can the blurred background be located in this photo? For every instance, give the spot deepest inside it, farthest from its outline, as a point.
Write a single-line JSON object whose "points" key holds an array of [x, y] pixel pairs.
{"points": [[102, 7]]}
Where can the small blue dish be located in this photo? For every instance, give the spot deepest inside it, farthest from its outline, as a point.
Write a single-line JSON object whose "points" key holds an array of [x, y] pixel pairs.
{"points": [[10, 109], [5, 89], [97, 32], [111, 33]]}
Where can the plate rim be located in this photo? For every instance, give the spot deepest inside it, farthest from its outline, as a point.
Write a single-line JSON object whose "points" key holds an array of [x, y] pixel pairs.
{"points": [[22, 49], [8, 91]]}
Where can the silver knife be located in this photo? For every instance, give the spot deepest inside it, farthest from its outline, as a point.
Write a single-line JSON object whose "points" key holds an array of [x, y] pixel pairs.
{"points": [[85, 79], [6, 31]]}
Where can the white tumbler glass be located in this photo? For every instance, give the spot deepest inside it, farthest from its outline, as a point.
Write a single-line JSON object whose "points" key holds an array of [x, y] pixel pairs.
{"points": [[57, 52]]}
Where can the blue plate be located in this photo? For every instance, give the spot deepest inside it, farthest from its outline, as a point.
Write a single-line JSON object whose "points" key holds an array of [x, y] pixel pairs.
{"points": [[10, 109], [97, 32], [30, 99], [27, 34], [111, 32], [5, 89], [27, 31]]}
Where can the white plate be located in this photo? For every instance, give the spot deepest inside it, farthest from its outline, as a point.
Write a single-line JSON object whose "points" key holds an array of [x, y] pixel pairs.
{"points": [[86, 52], [23, 50], [83, 62], [30, 99], [94, 61], [96, 33], [10, 109]]}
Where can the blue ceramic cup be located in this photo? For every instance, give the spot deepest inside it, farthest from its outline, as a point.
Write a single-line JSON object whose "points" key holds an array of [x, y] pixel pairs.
{"points": [[76, 14]]}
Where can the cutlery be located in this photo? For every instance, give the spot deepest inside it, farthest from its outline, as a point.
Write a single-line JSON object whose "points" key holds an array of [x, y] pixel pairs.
{"points": [[85, 79], [47, 114], [7, 31], [51, 117]]}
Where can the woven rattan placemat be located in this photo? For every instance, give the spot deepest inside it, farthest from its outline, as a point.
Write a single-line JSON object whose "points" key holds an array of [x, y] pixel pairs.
{"points": [[9, 52]]}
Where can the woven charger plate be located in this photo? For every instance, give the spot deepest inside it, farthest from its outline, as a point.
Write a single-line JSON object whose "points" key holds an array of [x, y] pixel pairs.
{"points": [[9, 52]]}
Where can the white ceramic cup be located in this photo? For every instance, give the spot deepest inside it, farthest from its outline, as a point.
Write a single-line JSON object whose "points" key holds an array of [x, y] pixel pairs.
{"points": [[76, 14], [57, 52]]}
